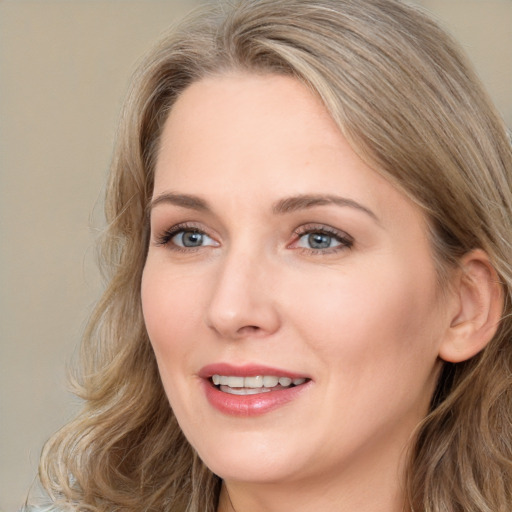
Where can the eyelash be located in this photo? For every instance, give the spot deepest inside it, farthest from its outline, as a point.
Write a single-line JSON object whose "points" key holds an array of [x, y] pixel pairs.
{"points": [[345, 240], [165, 238]]}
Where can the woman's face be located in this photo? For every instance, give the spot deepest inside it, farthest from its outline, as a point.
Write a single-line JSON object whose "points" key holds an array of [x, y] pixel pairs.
{"points": [[278, 257]]}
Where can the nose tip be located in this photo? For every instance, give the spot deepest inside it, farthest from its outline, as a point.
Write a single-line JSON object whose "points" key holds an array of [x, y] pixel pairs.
{"points": [[242, 303], [244, 320]]}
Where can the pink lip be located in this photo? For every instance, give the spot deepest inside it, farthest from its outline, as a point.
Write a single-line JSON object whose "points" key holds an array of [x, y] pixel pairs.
{"points": [[248, 405], [249, 370]]}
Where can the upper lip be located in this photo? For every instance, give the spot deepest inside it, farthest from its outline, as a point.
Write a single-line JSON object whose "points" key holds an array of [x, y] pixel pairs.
{"points": [[246, 370]]}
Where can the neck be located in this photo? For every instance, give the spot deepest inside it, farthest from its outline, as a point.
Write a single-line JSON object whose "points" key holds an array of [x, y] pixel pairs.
{"points": [[237, 498]]}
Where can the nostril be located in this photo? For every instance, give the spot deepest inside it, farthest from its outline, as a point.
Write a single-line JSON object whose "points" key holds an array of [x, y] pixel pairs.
{"points": [[249, 329]]}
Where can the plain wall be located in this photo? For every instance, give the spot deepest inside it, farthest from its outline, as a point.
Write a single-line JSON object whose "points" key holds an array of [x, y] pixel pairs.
{"points": [[64, 68]]}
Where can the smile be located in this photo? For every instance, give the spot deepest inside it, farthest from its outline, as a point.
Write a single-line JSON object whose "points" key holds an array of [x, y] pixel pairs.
{"points": [[251, 389], [239, 385]]}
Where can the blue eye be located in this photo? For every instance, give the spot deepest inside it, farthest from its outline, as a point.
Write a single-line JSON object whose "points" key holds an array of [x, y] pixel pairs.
{"points": [[183, 237], [322, 239], [318, 241], [191, 239]]}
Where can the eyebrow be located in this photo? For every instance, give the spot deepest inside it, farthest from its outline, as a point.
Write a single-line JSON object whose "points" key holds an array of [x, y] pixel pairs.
{"points": [[183, 200], [281, 207], [305, 201]]}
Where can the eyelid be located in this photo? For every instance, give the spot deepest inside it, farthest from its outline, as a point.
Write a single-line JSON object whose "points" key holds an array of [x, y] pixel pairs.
{"points": [[345, 240], [165, 236]]}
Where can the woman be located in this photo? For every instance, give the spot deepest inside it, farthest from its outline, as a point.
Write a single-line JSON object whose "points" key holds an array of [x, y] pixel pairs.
{"points": [[309, 263]]}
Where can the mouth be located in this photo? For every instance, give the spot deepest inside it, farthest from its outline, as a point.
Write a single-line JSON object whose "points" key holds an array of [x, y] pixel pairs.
{"points": [[253, 385], [251, 389]]}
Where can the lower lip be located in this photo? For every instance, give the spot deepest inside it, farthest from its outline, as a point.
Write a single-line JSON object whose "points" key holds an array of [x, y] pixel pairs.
{"points": [[251, 405]]}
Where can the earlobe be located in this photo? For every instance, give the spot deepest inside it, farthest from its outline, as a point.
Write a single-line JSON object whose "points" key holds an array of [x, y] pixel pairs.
{"points": [[479, 308]]}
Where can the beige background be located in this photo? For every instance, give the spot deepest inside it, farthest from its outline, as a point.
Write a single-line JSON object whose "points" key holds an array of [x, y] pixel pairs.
{"points": [[64, 67]]}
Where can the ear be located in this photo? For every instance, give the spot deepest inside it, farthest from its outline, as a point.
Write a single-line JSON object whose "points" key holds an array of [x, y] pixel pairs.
{"points": [[478, 308]]}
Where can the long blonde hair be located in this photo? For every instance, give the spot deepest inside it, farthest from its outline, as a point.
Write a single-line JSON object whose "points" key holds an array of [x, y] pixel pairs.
{"points": [[409, 104]]}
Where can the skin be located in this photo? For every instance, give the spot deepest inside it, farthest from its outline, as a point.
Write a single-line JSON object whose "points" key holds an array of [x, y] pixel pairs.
{"points": [[364, 318]]}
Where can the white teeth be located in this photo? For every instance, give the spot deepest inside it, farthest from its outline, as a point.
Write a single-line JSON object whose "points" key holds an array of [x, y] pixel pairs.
{"points": [[257, 382], [236, 382], [244, 391], [254, 382], [270, 382]]}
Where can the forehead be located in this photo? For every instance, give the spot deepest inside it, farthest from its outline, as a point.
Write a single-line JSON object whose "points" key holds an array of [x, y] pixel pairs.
{"points": [[240, 122], [251, 110], [264, 136]]}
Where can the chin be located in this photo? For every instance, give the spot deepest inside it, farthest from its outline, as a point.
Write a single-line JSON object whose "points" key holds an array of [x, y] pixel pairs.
{"points": [[257, 461], [253, 471]]}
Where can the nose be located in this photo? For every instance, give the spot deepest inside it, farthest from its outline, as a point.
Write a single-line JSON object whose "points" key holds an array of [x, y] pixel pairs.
{"points": [[242, 302]]}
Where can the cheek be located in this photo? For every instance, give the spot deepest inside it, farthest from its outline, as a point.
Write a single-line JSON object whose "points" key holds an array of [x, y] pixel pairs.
{"points": [[377, 344], [170, 311], [372, 323], [171, 314]]}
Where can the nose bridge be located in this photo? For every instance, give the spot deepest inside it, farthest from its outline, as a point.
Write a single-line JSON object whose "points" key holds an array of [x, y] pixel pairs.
{"points": [[241, 300]]}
